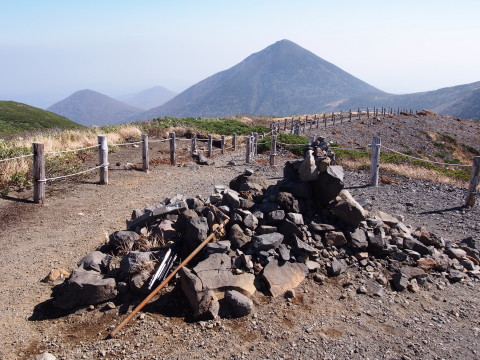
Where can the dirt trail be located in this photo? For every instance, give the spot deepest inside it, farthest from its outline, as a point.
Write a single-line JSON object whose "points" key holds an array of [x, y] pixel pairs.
{"points": [[76, 218]]}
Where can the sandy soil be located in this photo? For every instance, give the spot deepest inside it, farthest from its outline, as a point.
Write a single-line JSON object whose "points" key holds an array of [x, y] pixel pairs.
{"points": [[323, 321]]}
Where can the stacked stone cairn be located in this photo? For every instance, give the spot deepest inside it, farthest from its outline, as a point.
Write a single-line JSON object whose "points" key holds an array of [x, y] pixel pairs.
{"points": [[305, 225]]}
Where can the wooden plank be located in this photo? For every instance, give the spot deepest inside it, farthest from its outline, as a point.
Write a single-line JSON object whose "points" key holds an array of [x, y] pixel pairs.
{"points": [[375, 161], [474, 180], [234, 141], [210, 146], [173, 146], [38, 173], [249, 149], [145, 153], [194, 144], [103, 159], [223, 145], [273, 150]]}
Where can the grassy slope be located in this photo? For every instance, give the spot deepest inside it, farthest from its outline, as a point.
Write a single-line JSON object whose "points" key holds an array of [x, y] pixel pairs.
{"points": [[16, 118]]}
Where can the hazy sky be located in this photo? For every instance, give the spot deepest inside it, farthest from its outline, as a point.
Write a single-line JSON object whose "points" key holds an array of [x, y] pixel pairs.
{"points": [[50, 49]]}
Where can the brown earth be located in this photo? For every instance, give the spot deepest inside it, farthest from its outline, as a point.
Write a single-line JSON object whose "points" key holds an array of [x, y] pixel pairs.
{"points": [[323, 321]]}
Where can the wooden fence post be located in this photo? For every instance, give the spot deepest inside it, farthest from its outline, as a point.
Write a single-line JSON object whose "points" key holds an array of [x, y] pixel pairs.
{"points": [[103, 159], [474, 180], [234, 141], [255, 144], [223, 145], [194, 144], [273, 150], [316, 121], [249, 149], [285, 125], [145, 153], [350, 115], [173, 158], [333, 118], [210, 146], [375, 164], [38, 173], [325, 119]]}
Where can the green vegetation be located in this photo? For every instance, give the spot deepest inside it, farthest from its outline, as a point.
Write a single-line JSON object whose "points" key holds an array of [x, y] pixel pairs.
{"points": [[208, 126], [297, 142], [17, 118], [447, 138]]}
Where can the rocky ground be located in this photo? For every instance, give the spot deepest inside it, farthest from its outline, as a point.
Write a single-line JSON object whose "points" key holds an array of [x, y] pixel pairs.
{"points": [[322, 320]]}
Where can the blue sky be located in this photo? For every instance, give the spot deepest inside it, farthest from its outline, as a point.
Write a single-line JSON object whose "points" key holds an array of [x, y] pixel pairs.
{"points": [[50, 49]]}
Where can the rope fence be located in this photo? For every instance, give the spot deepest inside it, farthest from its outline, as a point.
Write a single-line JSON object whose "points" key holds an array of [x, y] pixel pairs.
{"points": [[16, 158], [250, 144]]}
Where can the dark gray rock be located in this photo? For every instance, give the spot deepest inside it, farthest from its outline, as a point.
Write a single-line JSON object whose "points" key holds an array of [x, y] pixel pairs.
{"points": [[239, 304], [237, 236], [274, 217], [287, 202], [282, 277], [456, 275], [471, 243], [456, 253], [267, 241], [231, 198], [135, 262], [347, 209], [300, 246], [266, 229], [415, 245], [376, 243], [96, 261], [122, 241], [284, 252], [358, 239], [250, 221], [196, 231], [84, 288], [336, 268], [321, 228], [335, 238], [328, 185], [296, 218], [289, 229], [400, 281]]}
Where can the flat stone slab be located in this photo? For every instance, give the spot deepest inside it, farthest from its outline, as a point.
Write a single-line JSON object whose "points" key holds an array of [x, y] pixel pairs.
{"points": [[286, 276]]}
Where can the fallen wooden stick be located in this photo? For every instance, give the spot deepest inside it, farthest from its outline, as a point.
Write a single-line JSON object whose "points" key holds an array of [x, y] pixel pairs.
{"points": [[167, 279]]}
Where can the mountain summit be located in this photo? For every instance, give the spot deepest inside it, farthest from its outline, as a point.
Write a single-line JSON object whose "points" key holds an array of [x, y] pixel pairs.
{"points": [[88, 107], [282, 79]]}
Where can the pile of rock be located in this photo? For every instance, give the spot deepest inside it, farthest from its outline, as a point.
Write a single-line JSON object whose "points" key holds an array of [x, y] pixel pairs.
{"points": [[305, 225]]}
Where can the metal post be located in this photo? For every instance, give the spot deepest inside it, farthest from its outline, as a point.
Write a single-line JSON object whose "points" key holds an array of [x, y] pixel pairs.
{"points": [[223, 145], [194, 144], [234, 141]]}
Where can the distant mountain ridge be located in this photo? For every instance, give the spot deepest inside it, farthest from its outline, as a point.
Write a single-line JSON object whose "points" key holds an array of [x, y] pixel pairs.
{"points": [[282, 79], [149, 98], [88, 107]]}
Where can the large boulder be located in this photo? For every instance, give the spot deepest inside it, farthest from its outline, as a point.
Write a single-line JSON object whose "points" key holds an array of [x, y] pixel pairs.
{"points": [[282, 277], [84, 288]]}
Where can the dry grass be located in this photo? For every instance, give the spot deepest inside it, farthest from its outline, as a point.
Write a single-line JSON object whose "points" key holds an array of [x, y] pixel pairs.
{"points": [[410, 171], [18, 171]]}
